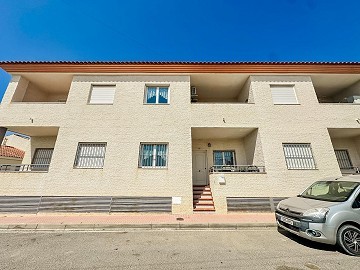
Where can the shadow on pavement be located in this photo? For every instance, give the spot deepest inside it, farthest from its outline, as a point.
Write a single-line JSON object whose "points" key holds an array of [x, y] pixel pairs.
{"points": [[308, 243]]}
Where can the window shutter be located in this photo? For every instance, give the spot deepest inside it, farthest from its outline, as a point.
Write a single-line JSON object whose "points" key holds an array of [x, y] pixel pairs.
{"points": [[283, 94], [102, 94]]}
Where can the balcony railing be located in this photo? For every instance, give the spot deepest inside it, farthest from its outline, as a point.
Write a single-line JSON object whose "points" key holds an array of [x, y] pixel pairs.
{"points": [[24, 168], [351, 170], [238, 168]]}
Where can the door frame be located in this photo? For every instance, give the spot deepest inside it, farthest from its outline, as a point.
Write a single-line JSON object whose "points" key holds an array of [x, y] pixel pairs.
{"points": [[206, 166]]}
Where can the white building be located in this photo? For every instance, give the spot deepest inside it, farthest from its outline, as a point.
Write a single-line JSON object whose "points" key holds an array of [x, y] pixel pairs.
{"points": [[123, 136]]}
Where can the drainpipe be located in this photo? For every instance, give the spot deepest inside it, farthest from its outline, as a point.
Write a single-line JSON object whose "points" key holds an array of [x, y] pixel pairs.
{"points": [[2, 134]]}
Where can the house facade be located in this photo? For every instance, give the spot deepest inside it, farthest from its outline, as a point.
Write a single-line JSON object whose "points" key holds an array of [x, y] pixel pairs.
{"points": [[175, 136]]}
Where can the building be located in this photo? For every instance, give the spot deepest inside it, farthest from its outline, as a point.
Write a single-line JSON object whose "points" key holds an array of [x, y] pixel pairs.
{"points": [[148, 136]]}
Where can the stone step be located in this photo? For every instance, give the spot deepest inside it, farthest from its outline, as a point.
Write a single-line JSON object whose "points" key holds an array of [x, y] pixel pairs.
{"points": [[199, 192], [204, 208]]}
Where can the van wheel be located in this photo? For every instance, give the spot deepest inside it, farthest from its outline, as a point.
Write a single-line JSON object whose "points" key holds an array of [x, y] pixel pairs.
{"points": [[348, 237]]}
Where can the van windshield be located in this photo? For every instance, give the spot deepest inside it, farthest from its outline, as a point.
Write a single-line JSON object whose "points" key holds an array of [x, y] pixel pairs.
{"points": [[332, 191]]}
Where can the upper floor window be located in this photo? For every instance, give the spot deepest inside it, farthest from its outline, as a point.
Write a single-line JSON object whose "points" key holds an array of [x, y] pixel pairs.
{"points": [[157, 95], [299, 156], [283, 94], [90, 155], [102, 94], [224, 158], [153, 155]]}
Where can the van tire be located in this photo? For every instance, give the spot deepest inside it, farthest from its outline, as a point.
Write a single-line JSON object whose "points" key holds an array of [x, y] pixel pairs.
{"points": [[348, 238]]}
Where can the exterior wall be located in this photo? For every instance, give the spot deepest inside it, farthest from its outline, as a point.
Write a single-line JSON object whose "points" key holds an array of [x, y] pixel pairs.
{"points": [[128, 122], [8, 161], [123, 126]]}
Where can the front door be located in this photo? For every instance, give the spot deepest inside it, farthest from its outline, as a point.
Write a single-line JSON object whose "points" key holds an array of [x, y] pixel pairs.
{"points": [[199, 168]]}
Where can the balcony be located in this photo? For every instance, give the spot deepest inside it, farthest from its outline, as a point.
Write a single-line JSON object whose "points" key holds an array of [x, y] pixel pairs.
{"points": [[220, 88], [42, 88], [337, 89], [237, 169], [37, 146], [346, 144]]}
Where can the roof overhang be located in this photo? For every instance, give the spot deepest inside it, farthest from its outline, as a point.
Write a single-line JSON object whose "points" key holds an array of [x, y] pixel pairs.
{"points": [[184, 67]]}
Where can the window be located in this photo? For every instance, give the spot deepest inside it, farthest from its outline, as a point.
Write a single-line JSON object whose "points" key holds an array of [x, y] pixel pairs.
{"points": [[90, 155], [224, 158], [102, 94], [153, 155], [283, 94], [157, 95], [343, 159], [42, 159], [299, 156]]}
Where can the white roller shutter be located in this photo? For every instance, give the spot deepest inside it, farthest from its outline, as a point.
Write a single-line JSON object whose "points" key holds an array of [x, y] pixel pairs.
{"points": [[102, 94], [283, 94]]}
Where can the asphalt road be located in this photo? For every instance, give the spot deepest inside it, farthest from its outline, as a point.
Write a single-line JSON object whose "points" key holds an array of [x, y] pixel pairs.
{"points": [[241, 249]]}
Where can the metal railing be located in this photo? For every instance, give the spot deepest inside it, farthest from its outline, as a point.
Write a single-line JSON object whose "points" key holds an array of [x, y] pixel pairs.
{"points": [[238, 168], [350, 170], [24, 168]]}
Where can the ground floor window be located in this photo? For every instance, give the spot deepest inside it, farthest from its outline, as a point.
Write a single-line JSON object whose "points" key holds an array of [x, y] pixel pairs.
{"points": [[153, 155], [42, 158], [299, 156], [90, 155], [343, 159], [224, 158]]}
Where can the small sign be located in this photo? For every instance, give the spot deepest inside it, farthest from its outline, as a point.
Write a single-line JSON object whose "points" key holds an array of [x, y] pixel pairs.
{"points": [[176, 200]]}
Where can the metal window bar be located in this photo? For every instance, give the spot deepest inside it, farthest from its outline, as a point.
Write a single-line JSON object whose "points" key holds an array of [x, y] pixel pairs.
{"points": [[90, 155], [153, 155], [343, 159], [42, 156], [299, 156]]}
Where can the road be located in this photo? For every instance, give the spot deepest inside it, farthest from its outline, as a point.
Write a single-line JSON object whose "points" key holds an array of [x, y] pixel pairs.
{"points": [[241, 249]]}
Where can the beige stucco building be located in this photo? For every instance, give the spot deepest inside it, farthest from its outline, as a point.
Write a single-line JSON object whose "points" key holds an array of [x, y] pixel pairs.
{"points": [[140, 136]]}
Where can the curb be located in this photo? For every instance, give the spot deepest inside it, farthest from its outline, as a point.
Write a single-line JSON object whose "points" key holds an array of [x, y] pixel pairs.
{"points": [[112, 227]]}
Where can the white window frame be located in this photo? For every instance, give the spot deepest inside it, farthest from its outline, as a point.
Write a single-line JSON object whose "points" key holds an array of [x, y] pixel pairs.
{"points": [[299, 156], [157, 94], [292, 86], [101, 85], [223, 157], [78, 152], [153, 165]]}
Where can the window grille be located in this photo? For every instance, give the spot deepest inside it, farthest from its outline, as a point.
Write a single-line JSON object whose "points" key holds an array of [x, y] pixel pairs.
{"points": [[43, 156], [299, 156], [157, 95], [343, 159], [153, 155], [90, 155]]}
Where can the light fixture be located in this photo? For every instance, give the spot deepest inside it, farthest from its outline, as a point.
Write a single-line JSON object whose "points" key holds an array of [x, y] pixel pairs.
{"points": [[209, 144]]}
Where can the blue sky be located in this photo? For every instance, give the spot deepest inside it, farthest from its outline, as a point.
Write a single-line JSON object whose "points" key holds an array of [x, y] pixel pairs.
{"points": [[187, 30]]}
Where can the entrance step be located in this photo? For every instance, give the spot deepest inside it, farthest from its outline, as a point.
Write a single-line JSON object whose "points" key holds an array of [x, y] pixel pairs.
{"points": [[202, 199]]}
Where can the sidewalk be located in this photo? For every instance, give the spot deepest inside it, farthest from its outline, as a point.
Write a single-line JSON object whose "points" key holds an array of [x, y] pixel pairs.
{"points": [[135, 221]]}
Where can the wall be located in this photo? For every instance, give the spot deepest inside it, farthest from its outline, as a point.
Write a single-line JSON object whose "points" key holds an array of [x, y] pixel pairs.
{"points": [[6, 161], [128, 122], [123, 126]]}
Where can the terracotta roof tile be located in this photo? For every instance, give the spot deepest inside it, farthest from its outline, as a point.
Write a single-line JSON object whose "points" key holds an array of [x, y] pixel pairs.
{"points": [[9, 151]]}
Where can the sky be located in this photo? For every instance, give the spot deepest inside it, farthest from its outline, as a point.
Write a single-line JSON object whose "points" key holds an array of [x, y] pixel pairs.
{"points": [[178, 30]]}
